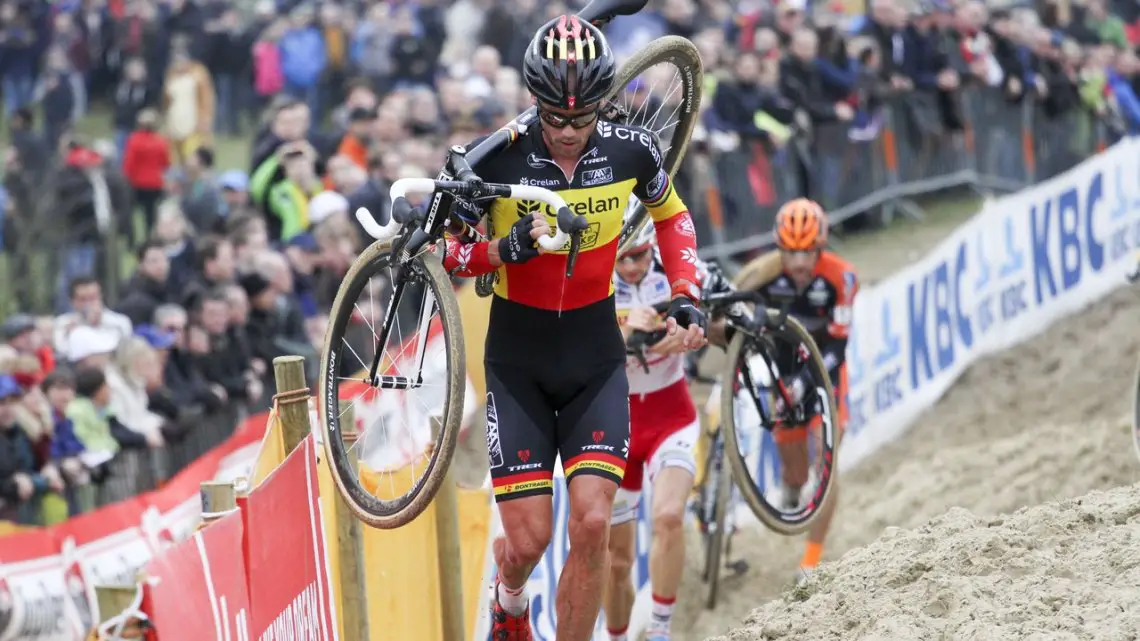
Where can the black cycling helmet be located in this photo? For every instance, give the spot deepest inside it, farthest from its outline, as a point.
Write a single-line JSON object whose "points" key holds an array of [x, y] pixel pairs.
{"points": [[569, 64]]}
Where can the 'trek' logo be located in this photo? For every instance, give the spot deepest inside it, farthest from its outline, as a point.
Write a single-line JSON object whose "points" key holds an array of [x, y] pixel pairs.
{"points": [[524, 455], [598, 436]]}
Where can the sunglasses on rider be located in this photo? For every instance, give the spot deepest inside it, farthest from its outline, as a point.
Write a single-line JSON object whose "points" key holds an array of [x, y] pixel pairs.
{"points": [[558, 121]]}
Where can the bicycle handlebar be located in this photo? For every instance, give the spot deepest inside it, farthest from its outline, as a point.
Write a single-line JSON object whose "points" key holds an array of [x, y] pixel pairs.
{"points": [[568, 222]]}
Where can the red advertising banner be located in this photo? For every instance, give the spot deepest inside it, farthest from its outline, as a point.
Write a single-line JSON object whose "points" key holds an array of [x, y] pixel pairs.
{"points": [[47, 575], [38, 598], [289, 587], [197, 589]]}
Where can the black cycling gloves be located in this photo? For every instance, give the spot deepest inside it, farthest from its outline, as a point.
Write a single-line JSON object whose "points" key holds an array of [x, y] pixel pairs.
{"points": [[517, 246], [686, 313]]}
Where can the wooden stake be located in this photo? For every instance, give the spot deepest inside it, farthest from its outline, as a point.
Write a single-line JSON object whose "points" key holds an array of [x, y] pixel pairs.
{"points": [[113, 600], [292, 400], [218, 499], [350, 548], [448, 553]]}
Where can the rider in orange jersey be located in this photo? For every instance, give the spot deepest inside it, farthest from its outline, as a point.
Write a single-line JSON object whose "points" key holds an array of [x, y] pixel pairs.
{"points": [[822, 287]]}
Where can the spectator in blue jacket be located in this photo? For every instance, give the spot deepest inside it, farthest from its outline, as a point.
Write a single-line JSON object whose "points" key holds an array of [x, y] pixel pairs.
{"points": [[1120, 83], [303, 60], [17, 58]]}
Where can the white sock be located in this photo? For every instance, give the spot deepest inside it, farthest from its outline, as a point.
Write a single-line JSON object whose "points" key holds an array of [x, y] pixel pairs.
{"points": [[662, 616], [513, 601], [618, 635]]}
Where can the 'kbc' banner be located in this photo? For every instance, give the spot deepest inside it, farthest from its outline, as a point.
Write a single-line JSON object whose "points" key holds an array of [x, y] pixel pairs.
{"points": [[1023, 262]]}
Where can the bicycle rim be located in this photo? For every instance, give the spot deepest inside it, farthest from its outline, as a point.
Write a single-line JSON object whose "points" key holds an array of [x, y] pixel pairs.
{"points": [[1136, 411], [671, 68], [773, 517], [401, 467], [714, 557]]}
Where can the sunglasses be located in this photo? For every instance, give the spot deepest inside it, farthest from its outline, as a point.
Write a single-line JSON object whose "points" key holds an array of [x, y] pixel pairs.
{"points": [[558, 121]]}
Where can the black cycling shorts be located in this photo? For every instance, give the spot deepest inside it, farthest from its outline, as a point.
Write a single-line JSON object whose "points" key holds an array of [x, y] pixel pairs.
{"points": [[556, 386]]}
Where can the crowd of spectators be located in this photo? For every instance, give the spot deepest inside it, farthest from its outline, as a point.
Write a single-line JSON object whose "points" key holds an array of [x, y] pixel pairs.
{"points": [[237, 259]]}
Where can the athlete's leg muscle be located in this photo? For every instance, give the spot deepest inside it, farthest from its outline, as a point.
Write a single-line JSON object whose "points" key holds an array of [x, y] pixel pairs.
{"points": [[584, 574], [619, 586], [527, 525], [792, 445], [671, 489]]}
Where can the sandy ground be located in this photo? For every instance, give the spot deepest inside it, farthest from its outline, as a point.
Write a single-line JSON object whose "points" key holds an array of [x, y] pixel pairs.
{"points": [[1044, 421]]}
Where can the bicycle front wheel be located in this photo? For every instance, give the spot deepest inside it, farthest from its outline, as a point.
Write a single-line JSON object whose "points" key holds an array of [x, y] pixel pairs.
{"points": [[748, 391], [390, 464], [719, 482], [660, 89], [1136, 411]]}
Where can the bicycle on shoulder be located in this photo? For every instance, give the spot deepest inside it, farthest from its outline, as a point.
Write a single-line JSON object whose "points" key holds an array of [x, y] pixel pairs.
{"points": [[394, 347]]}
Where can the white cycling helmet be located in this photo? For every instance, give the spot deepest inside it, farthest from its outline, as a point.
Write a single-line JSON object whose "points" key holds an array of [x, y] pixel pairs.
{"points": [[646, 238]]}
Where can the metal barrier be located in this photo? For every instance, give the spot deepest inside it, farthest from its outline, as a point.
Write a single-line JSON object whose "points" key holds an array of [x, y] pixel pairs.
{"points": [[1002, 146]]}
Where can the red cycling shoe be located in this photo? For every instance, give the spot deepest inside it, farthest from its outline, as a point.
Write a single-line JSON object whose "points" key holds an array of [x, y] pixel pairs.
{"points": [[506, 626]]}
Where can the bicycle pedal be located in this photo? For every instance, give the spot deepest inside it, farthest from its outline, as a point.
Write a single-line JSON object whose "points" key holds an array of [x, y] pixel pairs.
{"points": [[738, 567]]}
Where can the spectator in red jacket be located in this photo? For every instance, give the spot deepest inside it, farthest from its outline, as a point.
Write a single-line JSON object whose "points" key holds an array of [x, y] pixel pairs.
{"points": [[145, 161]]}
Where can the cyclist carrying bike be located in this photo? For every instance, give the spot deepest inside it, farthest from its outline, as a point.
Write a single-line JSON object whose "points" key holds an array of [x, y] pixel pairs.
{"points": [[822, 287], [664, 429], [554, 356]]}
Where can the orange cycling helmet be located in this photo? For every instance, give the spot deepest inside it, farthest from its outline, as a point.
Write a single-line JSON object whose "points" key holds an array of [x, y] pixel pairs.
{"points": [[801, 225]]}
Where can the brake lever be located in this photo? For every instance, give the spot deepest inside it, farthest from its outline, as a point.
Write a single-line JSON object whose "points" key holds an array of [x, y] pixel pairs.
{"points": [[574, 225], [636, 348]]}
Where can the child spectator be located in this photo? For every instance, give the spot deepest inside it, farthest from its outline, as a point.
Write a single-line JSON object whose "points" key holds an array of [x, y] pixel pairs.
{"points": [[145, 160], [102, 435], [66, 449]]}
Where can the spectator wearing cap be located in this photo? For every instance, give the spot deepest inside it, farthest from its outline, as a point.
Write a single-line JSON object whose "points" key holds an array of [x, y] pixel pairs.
{"points": [[21, 333], [328, 207], [148, 288], [146, 159], [303, 252], [234, 186], [201, 199], [20, 482], [88, 310], [91, 347]]}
